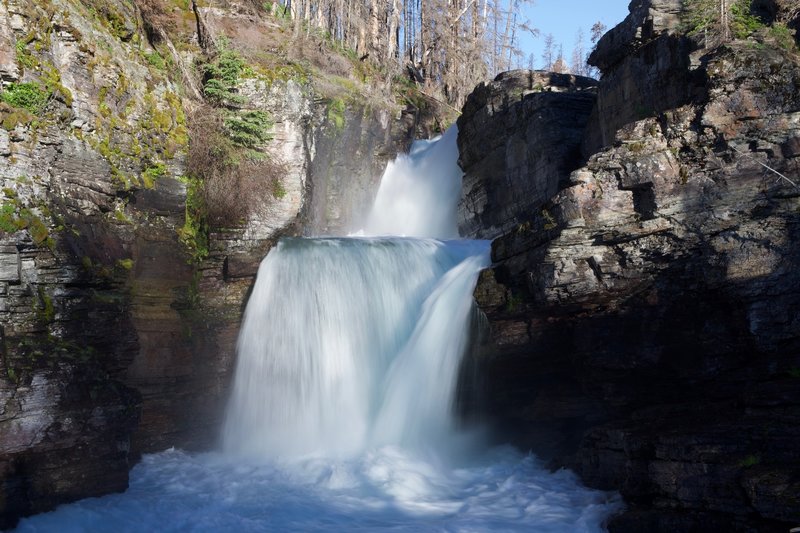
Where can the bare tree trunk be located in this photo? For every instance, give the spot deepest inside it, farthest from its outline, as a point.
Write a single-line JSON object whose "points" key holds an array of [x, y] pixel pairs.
{"points": [[506, 34], [297, 14], [723, 20], [374, 40], [393, 30]]}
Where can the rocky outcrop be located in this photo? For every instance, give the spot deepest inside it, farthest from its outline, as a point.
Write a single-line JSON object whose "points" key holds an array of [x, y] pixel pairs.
{"points": [[644, 321], [519, 138], [350, 151], [645, 65], [72, 165]]}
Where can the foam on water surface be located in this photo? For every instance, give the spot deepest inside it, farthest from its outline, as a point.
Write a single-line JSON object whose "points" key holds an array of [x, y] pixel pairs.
{"points": [[385, 489]]}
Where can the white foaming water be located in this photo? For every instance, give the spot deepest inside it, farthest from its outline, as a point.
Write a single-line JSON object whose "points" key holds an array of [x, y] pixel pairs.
{"points": [[384, 489], [341, 413], [350, 342], [419, 191]]}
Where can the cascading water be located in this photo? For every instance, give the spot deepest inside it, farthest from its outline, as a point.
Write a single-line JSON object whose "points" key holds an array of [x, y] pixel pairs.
{"points": [[341, 415], [335, 332]]}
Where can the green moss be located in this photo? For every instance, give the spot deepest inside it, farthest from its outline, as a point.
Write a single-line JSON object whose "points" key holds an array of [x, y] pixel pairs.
{"points": [[175, 103], [549, 221], [31, 352], [155, 60], [336, 113], [750, 460], [13, 118], [278, 189], [151, 174], [27, 96], [8, 217], [114, 21], [122, 85], [52, 82], [636, 147], [14, 218], [25, 59], [120, 216], [37, 229], [126, 264], [194, 232], [44, 309], [282, 72], [162, 120]]}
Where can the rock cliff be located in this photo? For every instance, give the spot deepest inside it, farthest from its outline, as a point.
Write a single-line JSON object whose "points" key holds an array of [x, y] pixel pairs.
{"points": [[644, 317], [519, 138]]}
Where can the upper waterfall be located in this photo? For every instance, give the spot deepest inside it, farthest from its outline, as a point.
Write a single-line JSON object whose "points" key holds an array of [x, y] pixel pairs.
{"points": [[419, 191]]}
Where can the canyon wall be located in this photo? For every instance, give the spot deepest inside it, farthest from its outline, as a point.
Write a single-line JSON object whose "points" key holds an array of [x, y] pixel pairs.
{"points": [[644, 316]]}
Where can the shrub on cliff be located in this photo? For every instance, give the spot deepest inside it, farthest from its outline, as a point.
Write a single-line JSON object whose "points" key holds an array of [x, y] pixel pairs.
{"points": [[234, 180], [221, 77], [27, 96]]}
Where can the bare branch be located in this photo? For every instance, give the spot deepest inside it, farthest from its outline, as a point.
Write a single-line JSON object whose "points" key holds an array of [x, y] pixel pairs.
{"points": [[765, 166]]}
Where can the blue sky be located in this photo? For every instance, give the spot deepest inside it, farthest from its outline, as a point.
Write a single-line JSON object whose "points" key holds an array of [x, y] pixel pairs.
{"points": [[562, 18]]}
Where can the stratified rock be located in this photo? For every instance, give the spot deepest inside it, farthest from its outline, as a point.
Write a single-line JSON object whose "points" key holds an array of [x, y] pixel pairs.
{"points": [[644, 322], [350, 151], [646, 21], [519, 138], [645, 64], [9, 70]]}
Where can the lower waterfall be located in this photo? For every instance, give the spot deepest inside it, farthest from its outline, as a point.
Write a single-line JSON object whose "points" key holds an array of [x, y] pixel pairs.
{"points": [[342, 416], [352, 343]]}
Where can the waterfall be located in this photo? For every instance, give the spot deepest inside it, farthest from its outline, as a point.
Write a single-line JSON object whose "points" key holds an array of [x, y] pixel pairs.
{"points": [[341, 415], [343, 336], [419, 191], [351, 343]]}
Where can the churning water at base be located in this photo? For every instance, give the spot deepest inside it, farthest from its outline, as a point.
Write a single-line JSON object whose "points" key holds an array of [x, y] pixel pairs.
{"points": [[341, 416], [385, 489]]}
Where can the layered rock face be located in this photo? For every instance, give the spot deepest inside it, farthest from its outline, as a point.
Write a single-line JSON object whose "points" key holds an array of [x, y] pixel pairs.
{"points": [[644, 319], [519, 138], [71, 245], [350, 152], [645, 65]]}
